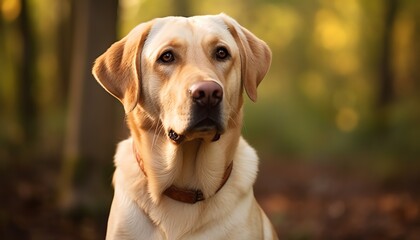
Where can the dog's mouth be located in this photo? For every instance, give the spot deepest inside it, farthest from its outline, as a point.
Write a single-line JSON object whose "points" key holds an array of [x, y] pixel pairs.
{"points": [[207, 128], [205, 125]]}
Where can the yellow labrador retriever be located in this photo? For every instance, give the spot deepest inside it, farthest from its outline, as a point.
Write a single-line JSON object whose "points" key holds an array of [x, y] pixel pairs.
{"points": [[185, 172]]}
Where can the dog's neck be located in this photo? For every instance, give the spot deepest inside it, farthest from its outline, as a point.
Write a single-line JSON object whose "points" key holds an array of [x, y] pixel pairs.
{"points": [[190, 196], [187, 165]]}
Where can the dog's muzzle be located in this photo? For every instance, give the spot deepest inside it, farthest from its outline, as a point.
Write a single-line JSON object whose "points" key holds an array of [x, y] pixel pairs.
{"points": [[206, 97]]}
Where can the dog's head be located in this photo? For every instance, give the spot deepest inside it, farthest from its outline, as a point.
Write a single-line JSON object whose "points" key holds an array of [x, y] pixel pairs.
{"points": [[185, 73]]}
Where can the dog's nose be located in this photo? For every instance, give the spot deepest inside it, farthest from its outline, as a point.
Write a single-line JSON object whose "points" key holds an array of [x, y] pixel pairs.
{"points": [[206, 93]]}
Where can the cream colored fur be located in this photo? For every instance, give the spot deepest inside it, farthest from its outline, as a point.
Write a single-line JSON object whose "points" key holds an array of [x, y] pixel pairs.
{"points": [[156, 99]]}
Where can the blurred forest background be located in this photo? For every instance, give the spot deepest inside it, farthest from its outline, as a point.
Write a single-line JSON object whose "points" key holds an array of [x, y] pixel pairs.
{"points": [[336, 125]]}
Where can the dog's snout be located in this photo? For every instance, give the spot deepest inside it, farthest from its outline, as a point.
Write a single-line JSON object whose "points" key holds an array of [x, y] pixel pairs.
{"points": [[206, 93]]}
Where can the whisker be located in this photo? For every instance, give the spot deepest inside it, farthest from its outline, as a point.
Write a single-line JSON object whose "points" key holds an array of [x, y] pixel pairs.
{"points": [[234, 122], [158, 128], [235, 114]]}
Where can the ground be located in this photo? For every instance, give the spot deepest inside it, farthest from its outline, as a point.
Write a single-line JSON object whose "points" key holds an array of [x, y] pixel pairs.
{"points": [[320, 201], [303, 200]]}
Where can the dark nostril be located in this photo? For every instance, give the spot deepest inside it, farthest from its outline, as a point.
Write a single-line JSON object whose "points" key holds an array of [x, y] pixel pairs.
{"points": [[217, 94], [206, 93], [198, 94]]}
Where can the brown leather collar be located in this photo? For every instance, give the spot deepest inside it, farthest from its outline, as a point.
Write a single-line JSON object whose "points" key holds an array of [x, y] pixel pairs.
{"points": [[190, 196]]}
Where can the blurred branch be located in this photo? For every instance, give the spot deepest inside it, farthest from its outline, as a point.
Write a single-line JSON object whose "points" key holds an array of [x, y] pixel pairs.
{"points": [[182, 8]]}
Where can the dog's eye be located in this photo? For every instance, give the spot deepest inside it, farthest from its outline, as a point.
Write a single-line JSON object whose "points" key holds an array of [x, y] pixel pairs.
{"points": [[167, 57], [221, 53]]}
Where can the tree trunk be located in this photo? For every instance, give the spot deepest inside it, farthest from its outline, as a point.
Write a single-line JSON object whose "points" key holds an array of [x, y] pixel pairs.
{"points": [[386, 75], [91, 124], [64, 38], [27, 104], [385, 94]]}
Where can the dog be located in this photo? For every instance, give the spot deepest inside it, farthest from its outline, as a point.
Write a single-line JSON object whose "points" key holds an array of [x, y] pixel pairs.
{"points": [[185, 172]]}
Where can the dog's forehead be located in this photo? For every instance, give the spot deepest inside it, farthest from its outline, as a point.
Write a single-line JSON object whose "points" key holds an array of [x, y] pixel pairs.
{"points": [[198, 27]]}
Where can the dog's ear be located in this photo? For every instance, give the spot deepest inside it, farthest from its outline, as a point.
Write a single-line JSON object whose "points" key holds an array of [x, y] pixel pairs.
{"points": [[255, 56], [118, 70]]}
